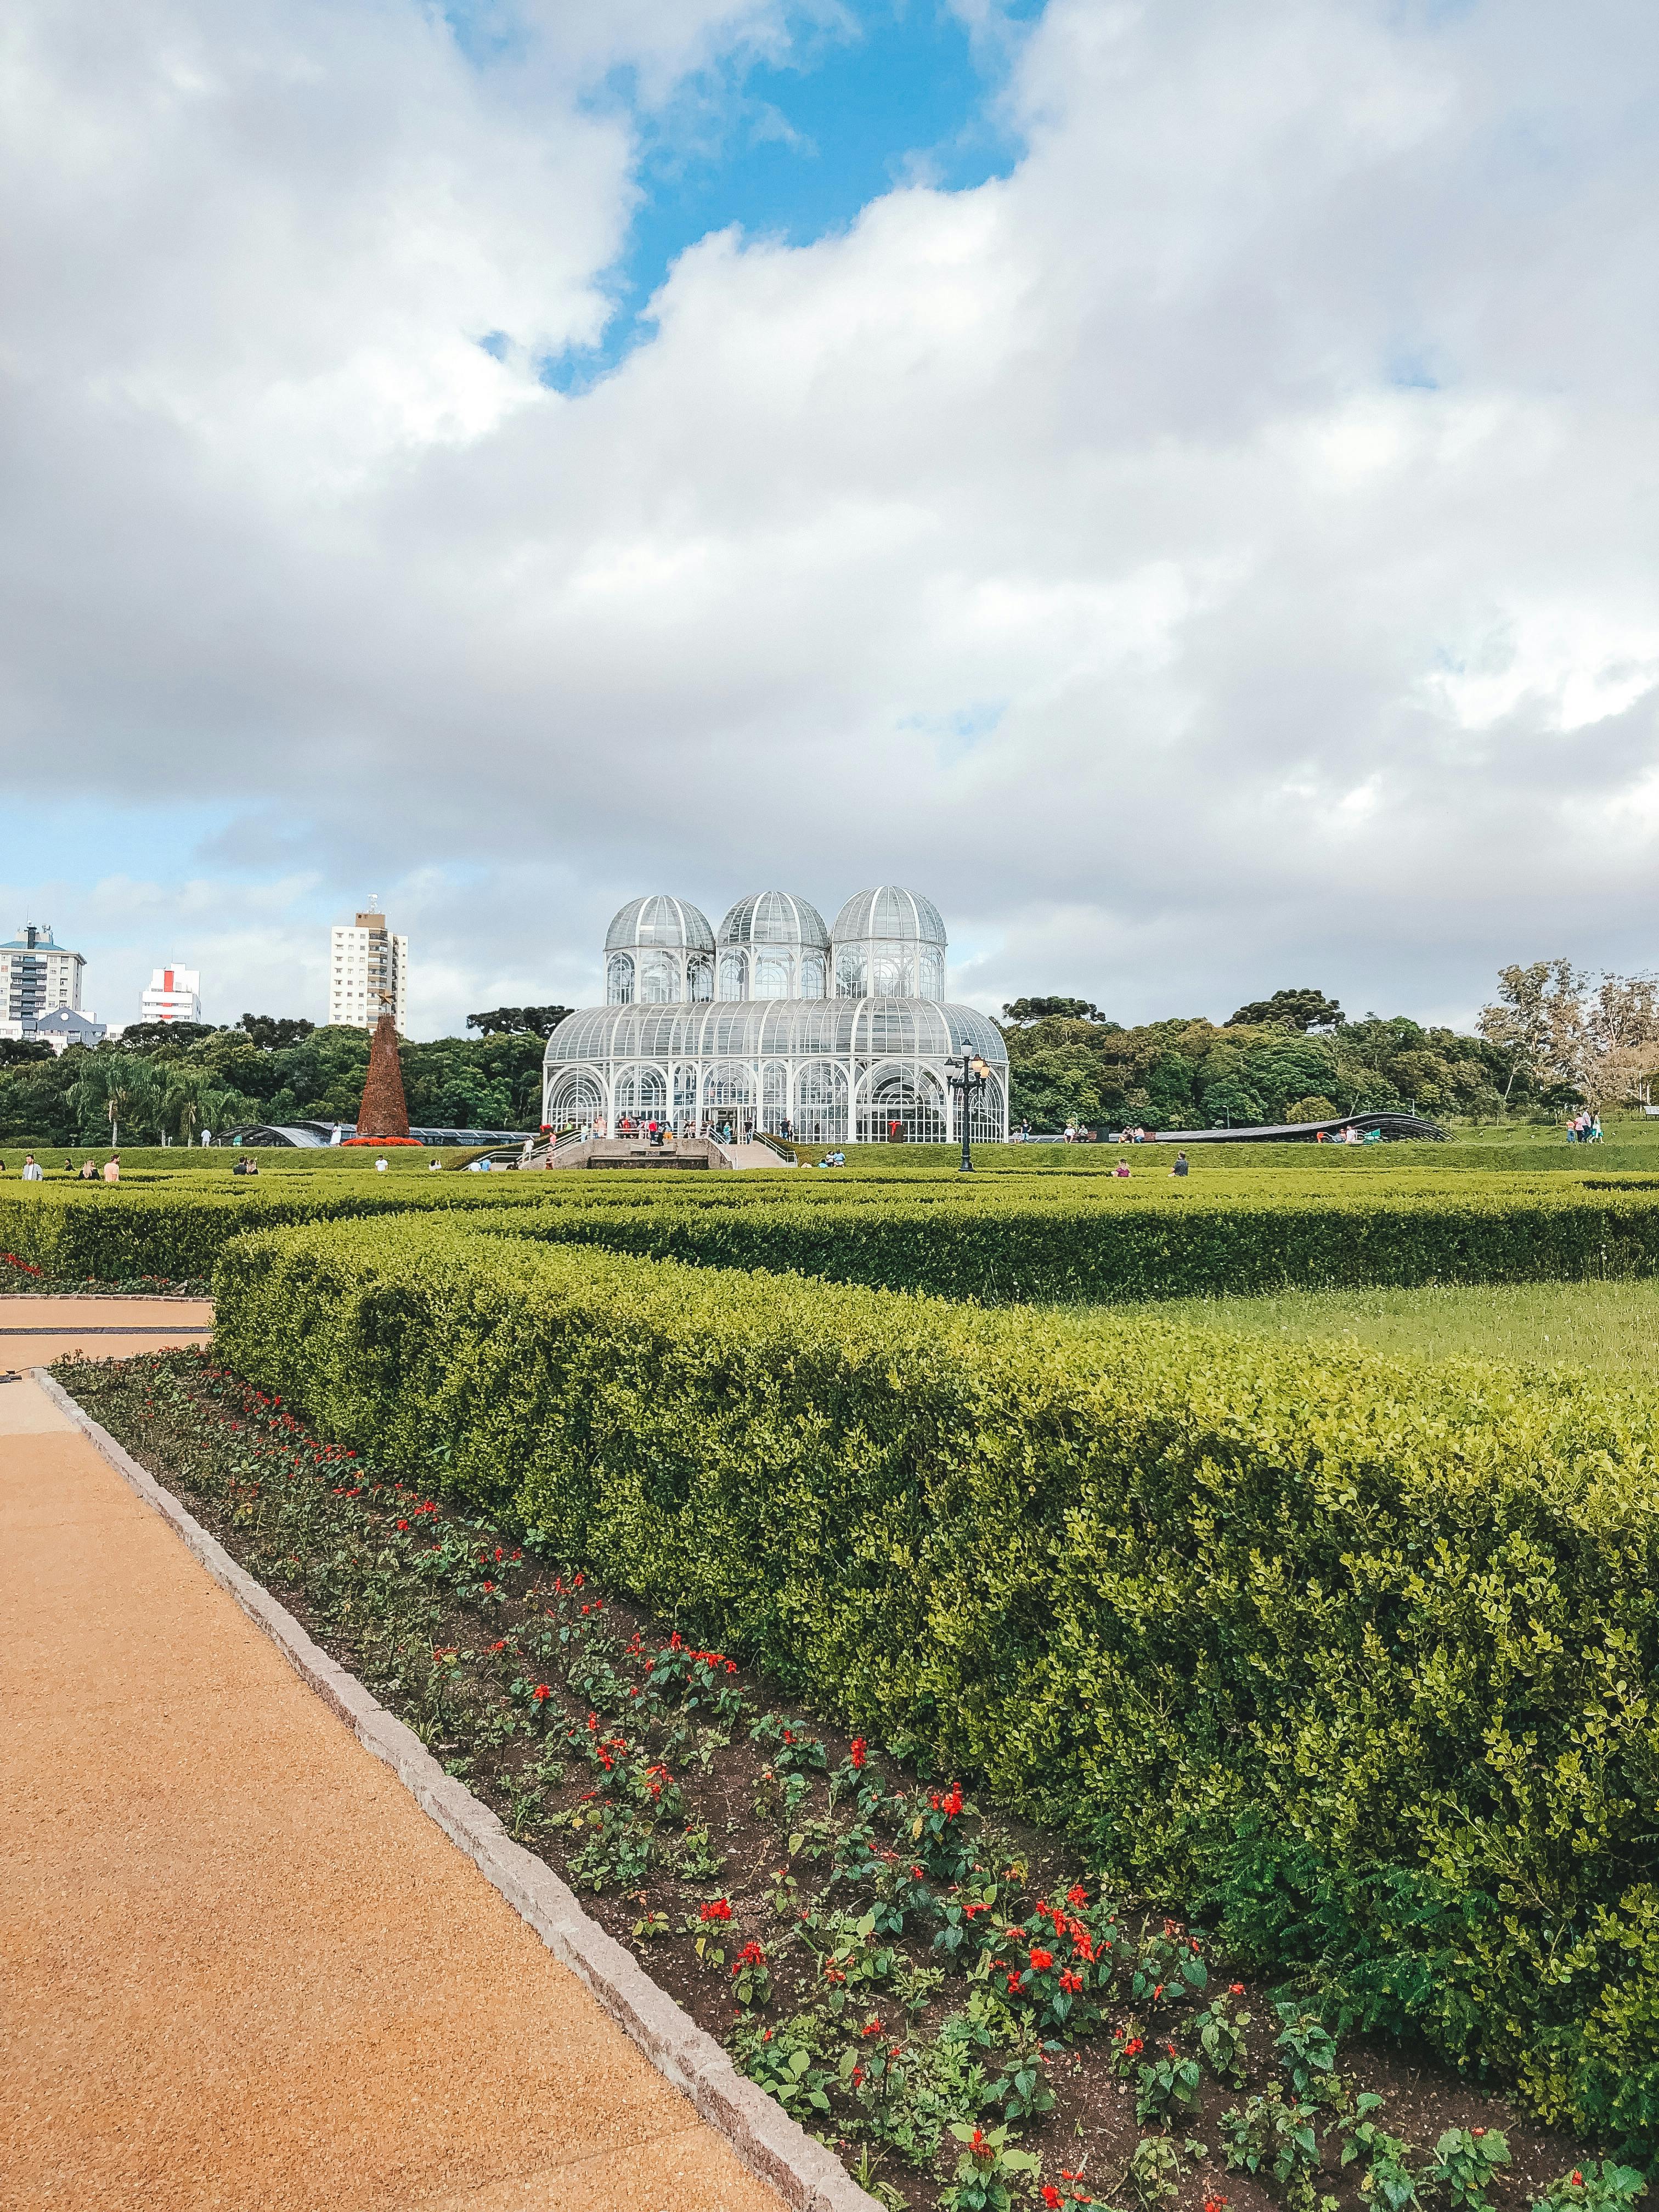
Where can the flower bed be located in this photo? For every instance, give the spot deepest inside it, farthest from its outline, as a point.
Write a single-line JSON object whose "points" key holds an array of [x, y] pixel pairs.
{"points": [[949, 1999]]}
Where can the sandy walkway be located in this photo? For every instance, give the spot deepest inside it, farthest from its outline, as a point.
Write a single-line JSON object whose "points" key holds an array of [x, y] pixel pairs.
{"points": [[245, 1970], [34, 1332]]}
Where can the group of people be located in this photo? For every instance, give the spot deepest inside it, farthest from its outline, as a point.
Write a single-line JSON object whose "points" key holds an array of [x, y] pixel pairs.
{"points": [[1182, 1166], [88, 1170], [1349, 1135], [1584, 1128]]}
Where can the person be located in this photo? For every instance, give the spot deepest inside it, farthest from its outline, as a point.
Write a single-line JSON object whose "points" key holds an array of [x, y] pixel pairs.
{"points": [[69, 1167], [832, 1160], [432, 1167], [112, 1167], [379, 1165], [1319, 1136], [32, 1171], [670, 1143], [1122, 1167], [1181, 1165], [89, 1170]]}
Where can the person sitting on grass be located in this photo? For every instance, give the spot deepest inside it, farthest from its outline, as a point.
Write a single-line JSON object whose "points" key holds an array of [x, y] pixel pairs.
{"points": [[1122, 1167], [1182, 1166]]}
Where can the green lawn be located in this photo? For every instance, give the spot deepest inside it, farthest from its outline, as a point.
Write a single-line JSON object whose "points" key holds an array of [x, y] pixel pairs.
{"points": [[1613, 1328]]}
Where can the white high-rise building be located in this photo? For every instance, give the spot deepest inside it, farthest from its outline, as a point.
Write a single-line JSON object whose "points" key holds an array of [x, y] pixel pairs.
{"points": [[368, 973], [174, 995], [36, 977]]}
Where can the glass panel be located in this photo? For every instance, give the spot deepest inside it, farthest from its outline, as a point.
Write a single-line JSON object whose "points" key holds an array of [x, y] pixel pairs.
{"points": [[702, 977], [771, 978], [734, 975], [659, 978], [811, 976], [619, 980], [850, 972], [685, 1095], [820, 1117], [887, 977], [902, 1106], [641, 1093], [575, 1101], [930, 976]]}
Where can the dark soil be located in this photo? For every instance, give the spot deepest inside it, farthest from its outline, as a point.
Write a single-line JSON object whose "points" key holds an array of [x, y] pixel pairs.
{"points": [[659, 1782]]}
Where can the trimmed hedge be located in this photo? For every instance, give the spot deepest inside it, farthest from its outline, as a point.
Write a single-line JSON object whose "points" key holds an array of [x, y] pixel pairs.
{"points": [[1168, 1243], [997, 1242], [1362, 1655]]}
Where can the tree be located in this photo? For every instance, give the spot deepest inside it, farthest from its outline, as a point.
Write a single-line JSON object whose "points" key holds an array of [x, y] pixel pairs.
{"points": [[1023, 1011], [13, 1051], [272, 1031], [1302, 1009], [112, 1086], [509, 1021], [172, 1036], [1538, 1020]]}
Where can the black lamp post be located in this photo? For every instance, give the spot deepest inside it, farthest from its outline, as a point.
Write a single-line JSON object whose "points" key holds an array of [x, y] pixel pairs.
{"points": [[968, 1077]]}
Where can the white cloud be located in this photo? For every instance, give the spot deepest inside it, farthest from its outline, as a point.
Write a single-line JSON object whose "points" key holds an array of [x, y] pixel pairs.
{"points": [[1213, 556]]}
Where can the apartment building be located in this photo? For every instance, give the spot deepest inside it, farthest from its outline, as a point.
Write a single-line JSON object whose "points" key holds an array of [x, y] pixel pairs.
{"points": [[174, 995], [368, 973], [37, 977]]}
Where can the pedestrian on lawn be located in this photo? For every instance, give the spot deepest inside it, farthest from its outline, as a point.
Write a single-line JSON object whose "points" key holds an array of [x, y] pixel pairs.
{"points": [[380, 1166], [32, 1171], [112, 1167]]}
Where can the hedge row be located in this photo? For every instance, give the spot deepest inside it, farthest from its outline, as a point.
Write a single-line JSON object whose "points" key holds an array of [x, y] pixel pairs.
{"points": [[1359, 1656], [1161, 1244], [994, 1243]]}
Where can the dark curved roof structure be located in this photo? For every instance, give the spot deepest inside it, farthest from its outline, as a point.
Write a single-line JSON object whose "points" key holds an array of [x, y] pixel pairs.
{"points": [[1394, 1128]]}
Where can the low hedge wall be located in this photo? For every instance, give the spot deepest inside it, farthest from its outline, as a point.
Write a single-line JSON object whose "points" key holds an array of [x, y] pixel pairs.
{"points": [[993, 1242], [1357, 1657], [1163, 1242]]}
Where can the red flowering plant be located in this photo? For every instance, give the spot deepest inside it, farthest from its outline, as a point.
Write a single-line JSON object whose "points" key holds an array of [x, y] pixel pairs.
{"points": [[1168, 1967], [967, 1926], [1220, 2030], [1128, 2046], [1053, 1963], [1065, 2194], [751, 1976], [984, 2169], [701, 1678], [1169, 2086], [942, 1829]]}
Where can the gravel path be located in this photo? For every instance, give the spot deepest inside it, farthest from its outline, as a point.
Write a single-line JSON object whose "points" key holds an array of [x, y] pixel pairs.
{"points": [[247, 1972]]}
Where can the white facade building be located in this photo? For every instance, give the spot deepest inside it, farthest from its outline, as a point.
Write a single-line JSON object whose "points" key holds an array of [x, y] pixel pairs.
{"points": [[831, 1035], [174, 995], [368, 974], [37, 977]]}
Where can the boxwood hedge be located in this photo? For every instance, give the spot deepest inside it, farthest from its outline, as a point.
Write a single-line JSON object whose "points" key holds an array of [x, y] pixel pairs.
{"points": [[1362, 1655]]}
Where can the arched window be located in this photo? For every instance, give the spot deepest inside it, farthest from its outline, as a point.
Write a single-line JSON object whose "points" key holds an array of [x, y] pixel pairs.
{"points": [[619, 980], [659, 978], [771, 976], [887, 977], [811, 976], [734, 975], [930, 975], [700, 977], [850, 972], [641, 1093], [573, 1101], [774, 1095], [685, 1094], [902, 1105], [820, 1115], [728, 1094]]}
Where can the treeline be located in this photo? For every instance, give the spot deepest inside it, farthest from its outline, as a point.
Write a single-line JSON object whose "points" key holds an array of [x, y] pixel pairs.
{"points": [[172, 1082], [1293, 1057]]}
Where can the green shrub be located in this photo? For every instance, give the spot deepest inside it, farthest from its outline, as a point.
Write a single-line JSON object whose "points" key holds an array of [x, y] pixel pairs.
{"points": [[1362, 1653]]}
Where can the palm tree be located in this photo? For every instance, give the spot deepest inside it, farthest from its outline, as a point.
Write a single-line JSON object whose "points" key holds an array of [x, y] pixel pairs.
{"points": [[117, 1084]]}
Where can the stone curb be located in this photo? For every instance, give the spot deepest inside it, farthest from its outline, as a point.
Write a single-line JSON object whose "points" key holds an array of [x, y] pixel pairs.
{"points": [[770, 2144]]}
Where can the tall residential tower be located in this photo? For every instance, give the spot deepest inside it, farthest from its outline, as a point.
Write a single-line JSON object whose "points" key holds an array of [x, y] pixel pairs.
{"points": [[36, 978], [368, 973]]}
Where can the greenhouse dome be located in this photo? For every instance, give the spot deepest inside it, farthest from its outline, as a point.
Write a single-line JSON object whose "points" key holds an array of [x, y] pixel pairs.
{"points": [[774, 1038]]}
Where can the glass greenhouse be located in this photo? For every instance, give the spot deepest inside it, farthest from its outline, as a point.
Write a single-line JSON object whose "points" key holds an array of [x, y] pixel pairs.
{"points": [[777, 1022]]}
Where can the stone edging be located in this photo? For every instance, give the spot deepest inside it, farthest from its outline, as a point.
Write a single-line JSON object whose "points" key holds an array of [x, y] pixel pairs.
{"points": [[770, 2144]]}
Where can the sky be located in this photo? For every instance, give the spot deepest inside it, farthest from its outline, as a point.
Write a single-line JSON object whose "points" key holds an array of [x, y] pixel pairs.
{"points": [[1177, 483]]}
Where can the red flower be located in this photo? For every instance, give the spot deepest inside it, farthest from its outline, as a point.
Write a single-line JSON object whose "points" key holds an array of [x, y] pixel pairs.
{"points": [[540, 1692], [1052, 2197], [871, 2027], [501, 1646], [1070, 1983], [1577, 2179], [1215, 2204], [403, 1524], [1041, 1961], [489, 1586], [856, 1754], [750, 1955], [1013, 1985], [719, 1910], [1076, 1894], [1236, 1989], [1133, 2047]]}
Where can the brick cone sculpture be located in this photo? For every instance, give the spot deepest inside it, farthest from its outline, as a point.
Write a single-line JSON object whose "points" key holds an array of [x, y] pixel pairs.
{"points": [[383, 1114]]}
